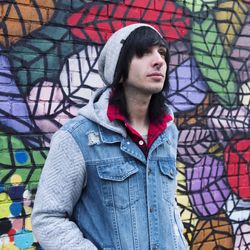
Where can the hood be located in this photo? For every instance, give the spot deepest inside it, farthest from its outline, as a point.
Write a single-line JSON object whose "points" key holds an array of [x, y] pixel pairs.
{"points": [[96, 111]]}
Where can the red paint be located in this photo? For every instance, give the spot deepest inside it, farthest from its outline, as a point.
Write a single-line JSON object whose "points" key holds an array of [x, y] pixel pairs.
{"points": [[97, 22], [237, 164], [11, 234]]}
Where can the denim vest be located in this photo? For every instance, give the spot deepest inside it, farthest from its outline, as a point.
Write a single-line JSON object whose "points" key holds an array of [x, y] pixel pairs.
{"points": [[129, 200]]}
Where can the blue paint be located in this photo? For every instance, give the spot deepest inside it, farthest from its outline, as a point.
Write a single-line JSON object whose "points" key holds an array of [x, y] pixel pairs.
{"points": [[16, 208], [21, 156], [1, 188], [16, 192], [23, 239]]}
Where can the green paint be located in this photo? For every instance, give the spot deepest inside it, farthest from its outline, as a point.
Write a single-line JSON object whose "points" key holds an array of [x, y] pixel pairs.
{"points": [[21, 160], [39, 61], [212, 61], [197, 5]]}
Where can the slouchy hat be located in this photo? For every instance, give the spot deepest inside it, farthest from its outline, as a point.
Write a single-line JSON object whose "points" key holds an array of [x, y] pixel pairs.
{"points": [[110, 53]]}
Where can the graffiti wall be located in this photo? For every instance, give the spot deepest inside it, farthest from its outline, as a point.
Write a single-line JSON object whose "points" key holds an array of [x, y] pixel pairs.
{"points": [[48, 70]]}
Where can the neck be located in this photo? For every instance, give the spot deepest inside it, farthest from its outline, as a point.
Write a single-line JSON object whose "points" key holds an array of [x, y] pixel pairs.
{"points": [[137, 106]]}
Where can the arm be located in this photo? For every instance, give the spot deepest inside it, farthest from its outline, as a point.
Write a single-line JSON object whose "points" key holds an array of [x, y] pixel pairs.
{"points": [[60, 186]]}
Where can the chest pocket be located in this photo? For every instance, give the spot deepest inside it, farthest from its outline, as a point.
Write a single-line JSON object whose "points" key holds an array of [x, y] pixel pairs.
{"points": [[168, 177], [119, 184]]}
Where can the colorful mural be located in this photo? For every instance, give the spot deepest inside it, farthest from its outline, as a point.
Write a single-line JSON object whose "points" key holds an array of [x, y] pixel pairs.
{"points": [[48, 70]]}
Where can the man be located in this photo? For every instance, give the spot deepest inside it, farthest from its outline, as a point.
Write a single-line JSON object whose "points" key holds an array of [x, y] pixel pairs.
{"points": [[109, 181]]}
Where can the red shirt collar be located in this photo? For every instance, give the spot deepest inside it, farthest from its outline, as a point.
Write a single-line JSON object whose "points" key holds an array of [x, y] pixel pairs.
{"points": [[155, 128]]}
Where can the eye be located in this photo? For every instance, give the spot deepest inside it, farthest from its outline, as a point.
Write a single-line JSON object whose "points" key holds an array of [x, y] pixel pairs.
{"points": [[162, 52]]}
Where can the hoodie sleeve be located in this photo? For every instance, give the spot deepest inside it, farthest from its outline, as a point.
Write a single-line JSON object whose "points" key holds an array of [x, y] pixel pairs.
{"points": [[61, 183]]}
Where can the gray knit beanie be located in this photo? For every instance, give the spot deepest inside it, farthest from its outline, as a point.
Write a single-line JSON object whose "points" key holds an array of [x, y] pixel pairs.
{"points": [[111, 51]]}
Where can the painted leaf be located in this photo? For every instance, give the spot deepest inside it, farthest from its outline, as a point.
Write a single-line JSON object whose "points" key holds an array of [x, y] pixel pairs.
{"points": [[53, 108], [237, 209], [207, 187], [230, 17], [244, 95], [240, 56], [179, 52], [41, 58], [20, 19], [79, 76], [198, 5], [98, 21], [226, 123], [242, 237], [212, 61], [216, 233], [193, 144], [14, 112], [183, 91], [188, 217], [237, 160]]}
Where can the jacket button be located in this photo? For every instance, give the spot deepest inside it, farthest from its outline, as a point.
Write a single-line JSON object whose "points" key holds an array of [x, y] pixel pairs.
{"points": [[149, 171], [151, 210], [141, 142]]}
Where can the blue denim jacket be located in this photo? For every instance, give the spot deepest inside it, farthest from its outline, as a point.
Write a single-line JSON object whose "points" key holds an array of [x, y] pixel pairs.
{"points": [[128, 201]]}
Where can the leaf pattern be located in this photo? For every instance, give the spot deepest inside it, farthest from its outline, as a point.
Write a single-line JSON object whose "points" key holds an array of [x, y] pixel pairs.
{"points": [[217, 231], [242, 239], [198, 5], [41, 59], [226, 123], [207, 187], [237, 160], [98, 21], [211, 58], [240, 56], [236, 209], [21, 19], [244, 95], [193, 141], [230, 17], [79, 76], [183, 91]]}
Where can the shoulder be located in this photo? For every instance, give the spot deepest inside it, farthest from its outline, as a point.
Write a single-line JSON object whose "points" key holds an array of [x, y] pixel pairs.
{"points": [[77, 124]]}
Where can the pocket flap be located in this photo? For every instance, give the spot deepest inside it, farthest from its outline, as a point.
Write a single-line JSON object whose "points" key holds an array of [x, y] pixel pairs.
{"points": [[168, 168], [117, 172]]}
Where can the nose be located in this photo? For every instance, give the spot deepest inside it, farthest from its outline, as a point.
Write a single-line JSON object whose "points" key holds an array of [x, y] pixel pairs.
{"points": [[158, 60]]}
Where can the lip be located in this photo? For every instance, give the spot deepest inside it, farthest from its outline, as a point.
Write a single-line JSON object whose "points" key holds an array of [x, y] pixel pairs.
{"points": [[156, 75]]}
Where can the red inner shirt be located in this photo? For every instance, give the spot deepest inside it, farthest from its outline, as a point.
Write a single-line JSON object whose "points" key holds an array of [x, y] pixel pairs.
{"points": [[155, 128]]}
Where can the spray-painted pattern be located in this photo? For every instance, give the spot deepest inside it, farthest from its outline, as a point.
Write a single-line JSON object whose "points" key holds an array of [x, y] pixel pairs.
{"points": [[48, 70]]}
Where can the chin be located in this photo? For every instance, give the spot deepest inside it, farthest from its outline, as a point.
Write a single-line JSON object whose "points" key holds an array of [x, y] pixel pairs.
{"points": [[155, 90]]}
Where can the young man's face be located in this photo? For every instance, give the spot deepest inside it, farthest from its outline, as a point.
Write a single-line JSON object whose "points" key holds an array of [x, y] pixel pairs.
{"points": [[147, 73]]}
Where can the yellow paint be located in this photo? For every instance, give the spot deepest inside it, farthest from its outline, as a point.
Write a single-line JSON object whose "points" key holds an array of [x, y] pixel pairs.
{"points": [[28, 224], [229, 20], [5, 210], [4, 205], [10, 246], [27, 210], [214, 150], [16, 179]]}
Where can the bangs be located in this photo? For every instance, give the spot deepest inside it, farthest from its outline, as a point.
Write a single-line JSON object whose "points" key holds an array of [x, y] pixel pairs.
{"points": [[139, 42], [143, 39]]}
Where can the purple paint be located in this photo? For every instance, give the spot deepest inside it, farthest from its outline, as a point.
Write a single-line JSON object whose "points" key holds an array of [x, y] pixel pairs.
{"points": [[187, 89], [206, 186]]}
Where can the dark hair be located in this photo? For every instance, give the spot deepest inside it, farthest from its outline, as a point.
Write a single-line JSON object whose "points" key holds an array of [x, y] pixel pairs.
{"points": [[138, 43]]}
